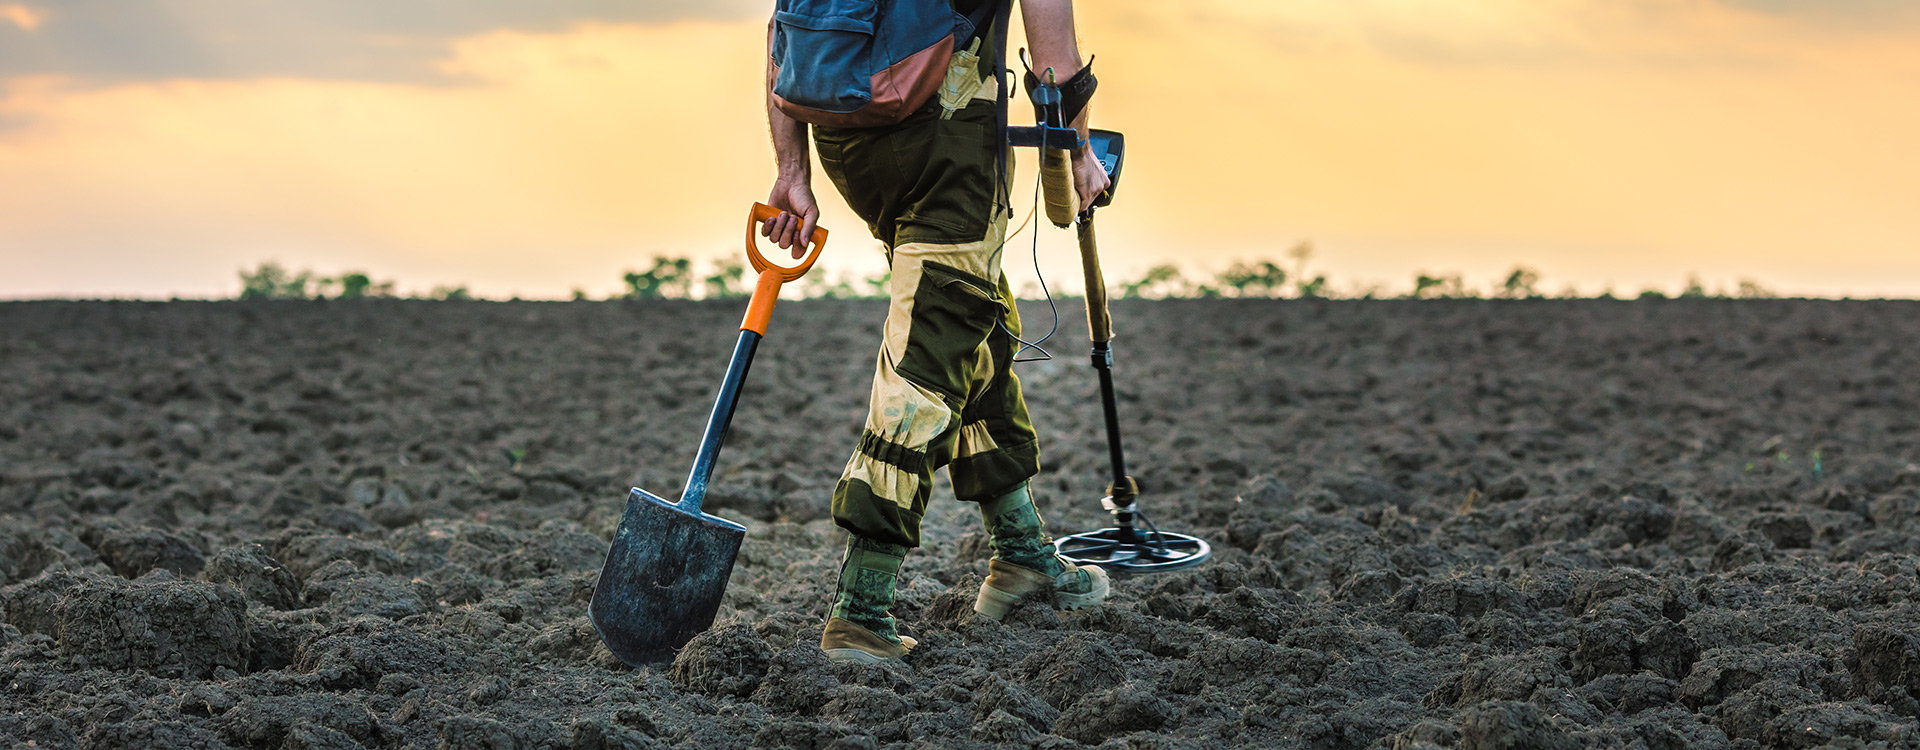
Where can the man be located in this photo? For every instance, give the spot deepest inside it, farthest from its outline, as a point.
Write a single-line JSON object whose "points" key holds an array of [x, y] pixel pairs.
{"points": [[943, 391]]}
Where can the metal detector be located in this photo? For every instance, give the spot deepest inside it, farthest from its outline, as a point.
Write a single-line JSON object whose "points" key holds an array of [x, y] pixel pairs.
{"points": [[1123, 548]]}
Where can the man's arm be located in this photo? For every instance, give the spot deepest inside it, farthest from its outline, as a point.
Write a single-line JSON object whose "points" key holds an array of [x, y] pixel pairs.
{"points": [[1049, 25], [793, 188]]}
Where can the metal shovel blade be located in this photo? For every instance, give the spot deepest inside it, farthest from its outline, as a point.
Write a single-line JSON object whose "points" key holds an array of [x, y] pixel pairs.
{"points": [[663, 579]]}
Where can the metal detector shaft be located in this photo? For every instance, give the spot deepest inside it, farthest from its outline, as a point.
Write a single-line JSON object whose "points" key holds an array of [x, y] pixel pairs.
{"points": [[1100, 330]]}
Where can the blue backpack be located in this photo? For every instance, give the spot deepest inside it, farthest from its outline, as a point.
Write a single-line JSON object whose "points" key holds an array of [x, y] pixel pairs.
{"points": [[863, 63]]}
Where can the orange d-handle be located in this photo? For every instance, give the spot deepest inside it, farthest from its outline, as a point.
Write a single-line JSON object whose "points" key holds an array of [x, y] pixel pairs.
{"points": [[767, 288]]}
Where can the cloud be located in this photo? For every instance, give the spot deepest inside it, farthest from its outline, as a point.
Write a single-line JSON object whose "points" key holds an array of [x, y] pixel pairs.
{"points": [[116, 41], [1849, 13], [22, 17], [1536, 33]]}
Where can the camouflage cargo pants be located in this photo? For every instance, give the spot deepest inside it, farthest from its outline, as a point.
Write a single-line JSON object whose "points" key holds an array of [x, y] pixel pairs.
{"points": [[944, 393]]}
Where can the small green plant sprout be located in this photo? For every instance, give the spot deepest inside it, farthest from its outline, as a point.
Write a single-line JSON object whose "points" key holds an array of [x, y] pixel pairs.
{"points": [[358, 285], [669, 278], [514, 457], [725, 283], [272, 281], [1750, 289], [1313, 288], [1819, 470], [1651, 293], [1520, 284], [579, 295], [1261, 280], [1160, 282], [1694, 290], [450, 293]]}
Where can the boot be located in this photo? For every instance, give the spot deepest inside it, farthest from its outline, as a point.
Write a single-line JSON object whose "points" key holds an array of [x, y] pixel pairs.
{"points": [[1024, 561], [859, 627]]}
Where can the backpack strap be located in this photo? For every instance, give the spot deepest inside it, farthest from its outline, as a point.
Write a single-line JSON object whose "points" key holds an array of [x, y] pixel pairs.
{"points": [[982, 14], [1002, 16]]}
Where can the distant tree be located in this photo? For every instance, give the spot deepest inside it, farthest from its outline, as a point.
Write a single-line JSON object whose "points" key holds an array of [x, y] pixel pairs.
{"points": [[358, 285], [1160, 282], [1520, 283], [1302, 254], [1750, 289], [1694, 289], [451, 293], [1439, 287], [725, 283], [1652, 294], [880, 284], [820, 286], [669, 278], [272, 281], [1262, 279]]}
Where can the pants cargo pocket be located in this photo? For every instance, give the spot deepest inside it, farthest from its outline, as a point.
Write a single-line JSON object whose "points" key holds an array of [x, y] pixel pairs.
{"points": [[953, 311]]}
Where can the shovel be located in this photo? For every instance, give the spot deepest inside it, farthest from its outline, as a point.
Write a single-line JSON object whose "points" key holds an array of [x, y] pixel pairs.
{"points": [[669, 563]]}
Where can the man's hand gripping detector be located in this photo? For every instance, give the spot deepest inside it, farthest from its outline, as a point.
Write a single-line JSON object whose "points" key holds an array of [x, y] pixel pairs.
{"points": [[1054, 111]]}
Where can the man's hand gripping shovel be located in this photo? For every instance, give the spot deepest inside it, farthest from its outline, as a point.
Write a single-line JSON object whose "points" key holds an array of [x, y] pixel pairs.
{"points": [[669, 564]]}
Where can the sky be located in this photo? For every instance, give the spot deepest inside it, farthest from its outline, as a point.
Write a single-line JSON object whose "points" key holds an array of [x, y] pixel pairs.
{"points": [[156, 148]]}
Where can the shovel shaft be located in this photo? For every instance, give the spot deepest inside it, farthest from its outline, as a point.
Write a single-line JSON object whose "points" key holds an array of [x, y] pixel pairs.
{"points": [[717, 422], [766, 290]]}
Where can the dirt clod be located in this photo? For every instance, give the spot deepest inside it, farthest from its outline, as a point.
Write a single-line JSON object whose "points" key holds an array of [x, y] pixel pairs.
{"points": [[171, 628]]}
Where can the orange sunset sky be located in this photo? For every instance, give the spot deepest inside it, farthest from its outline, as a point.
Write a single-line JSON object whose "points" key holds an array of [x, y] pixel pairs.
{"points": [[152, 148]]}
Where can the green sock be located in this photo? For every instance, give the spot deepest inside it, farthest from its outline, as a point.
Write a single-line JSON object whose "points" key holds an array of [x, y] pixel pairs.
{"points": [[868, 572], [1018, 534]]}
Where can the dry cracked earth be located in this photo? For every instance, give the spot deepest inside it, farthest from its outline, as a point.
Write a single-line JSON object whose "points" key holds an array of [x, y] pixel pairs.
{"points": [[1474, 524]]}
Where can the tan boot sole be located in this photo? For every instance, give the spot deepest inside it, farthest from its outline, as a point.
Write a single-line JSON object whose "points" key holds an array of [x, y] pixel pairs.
{"points": [[1101, 588], [1007, 584], [843, 641]]}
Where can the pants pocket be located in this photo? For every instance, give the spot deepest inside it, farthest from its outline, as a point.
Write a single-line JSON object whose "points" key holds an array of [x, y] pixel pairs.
{"points": [[953, 311]]}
